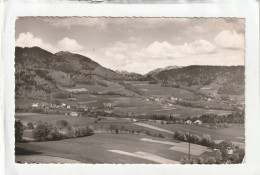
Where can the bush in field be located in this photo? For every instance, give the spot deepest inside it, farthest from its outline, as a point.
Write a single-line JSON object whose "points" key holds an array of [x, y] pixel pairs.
{"points": [[62, 124], [62, 95], [81, 132], [234, 158], [218, 156], [211, 160], [179, 135], [41, 131], [30, 125], [241, 154], [55, 135], [194, 138], [160, 135], [206, 141], [19, 128]]}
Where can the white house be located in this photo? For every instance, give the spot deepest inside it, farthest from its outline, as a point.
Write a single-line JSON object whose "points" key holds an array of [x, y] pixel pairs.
{"points": [[74, 114], [198, 122], [63, 105], [188, 122], [35, 105], [68, 106]]}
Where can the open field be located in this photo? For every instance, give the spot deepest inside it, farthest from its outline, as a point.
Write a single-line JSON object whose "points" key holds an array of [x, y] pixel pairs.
{"points": [[233, 133], [133, 144], [97, 149], [158, 91]]}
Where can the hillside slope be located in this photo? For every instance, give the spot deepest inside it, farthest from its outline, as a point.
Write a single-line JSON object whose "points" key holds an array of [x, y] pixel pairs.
{"points": [[39, 72], [230, 78]]}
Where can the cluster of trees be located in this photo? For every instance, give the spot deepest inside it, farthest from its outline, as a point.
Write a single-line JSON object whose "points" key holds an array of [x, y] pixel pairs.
{"points": [[19, 128], [122, 129], [62, 95], [218, 156], [232, 89], [131, 88], [45, 131], [205, 140], [203, 75], [235, 117]]}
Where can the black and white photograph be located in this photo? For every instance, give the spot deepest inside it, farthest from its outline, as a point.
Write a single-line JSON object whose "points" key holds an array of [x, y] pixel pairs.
{"points": [[129, 90]]}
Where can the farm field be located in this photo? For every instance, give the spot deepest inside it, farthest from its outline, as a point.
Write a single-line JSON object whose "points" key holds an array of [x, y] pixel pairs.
{"points": [[157, 90], [233, 133], [111, 148]]}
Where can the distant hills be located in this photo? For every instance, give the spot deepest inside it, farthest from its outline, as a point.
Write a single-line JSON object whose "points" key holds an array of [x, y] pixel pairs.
{"points": [[231, 79], [156, 71], [41, 72]]}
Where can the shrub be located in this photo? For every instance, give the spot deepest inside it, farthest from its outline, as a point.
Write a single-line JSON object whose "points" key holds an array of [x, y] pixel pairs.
{"points": [[211, 160], [55, 135], [179, 135], [206, 141], [30, 125], [160, 135], [41, 131], [19, 128], [194, 138], [234, 158], [241, 154], [218, 156], [62, 95], [62, 124], [81, 132]]}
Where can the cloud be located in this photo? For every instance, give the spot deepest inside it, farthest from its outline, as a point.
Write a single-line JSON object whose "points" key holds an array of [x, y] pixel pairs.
{"points": [[28, 40], [230, 40], [136, 57], [167, 50], [68, 44]]}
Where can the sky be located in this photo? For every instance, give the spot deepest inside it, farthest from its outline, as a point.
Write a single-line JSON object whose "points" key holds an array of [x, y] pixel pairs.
{"points": [[138, 44]]}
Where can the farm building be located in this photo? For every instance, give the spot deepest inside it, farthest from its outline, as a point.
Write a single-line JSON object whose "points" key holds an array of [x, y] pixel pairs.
{"points": [[198, 122], [63, 105], [35, 105], [74, 114], [109, 105], [188, 122]]}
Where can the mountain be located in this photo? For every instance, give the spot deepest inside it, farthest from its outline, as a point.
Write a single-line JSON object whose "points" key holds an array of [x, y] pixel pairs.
{"points": [[40, 72], [130, 75], [231, 79], [156, 71]]}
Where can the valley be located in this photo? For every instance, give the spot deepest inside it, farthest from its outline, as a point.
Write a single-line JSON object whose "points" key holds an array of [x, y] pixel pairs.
{"points": [[119, 110]]}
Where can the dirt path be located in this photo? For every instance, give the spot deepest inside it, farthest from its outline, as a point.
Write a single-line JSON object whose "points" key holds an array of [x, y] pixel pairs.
{"points": [[153, 127]]}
